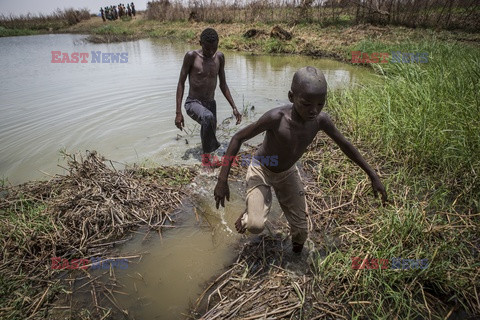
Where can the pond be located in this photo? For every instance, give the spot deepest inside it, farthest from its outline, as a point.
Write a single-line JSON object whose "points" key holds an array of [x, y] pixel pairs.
{"points": [[125, 111]]}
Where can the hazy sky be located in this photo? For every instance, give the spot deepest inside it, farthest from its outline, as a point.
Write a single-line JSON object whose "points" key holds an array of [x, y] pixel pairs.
{"points": [[17, 7]]}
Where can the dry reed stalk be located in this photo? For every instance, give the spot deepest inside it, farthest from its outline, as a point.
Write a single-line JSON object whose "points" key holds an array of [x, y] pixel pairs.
{"points": [[79, 215]]}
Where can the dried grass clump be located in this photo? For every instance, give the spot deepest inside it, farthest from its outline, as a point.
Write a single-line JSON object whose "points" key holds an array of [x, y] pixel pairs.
{"points": [[76, 216]]}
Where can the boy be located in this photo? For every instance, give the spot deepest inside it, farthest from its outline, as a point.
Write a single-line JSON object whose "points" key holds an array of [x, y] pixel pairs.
{"points": [[289, 131], [202, 68]]}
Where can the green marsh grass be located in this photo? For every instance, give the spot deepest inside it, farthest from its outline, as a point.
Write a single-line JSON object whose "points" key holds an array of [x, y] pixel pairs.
{"points": [[424, 116], [114, 33], [419, 127]]}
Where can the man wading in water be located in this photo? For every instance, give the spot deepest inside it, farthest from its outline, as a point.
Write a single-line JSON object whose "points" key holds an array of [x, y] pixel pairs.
{"points": [[202, 68], [289, 131]]}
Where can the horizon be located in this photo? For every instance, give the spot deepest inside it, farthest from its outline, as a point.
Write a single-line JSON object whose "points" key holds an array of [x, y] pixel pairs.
{"points": [[33, 7]]}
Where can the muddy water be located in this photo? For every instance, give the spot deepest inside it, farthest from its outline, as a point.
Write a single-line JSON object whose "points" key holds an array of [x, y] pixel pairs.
{"points": [[125, 111], [169, 271], [175, 267]]}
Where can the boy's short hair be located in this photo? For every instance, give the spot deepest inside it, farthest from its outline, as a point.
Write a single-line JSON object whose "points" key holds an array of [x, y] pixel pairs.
{"points": [[309, 77], [209, 35]]}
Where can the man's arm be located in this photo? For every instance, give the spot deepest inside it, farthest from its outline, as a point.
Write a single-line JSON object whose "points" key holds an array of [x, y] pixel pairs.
{"points": [[225, 89], [327, 125], [187, 63], [267, 121]]}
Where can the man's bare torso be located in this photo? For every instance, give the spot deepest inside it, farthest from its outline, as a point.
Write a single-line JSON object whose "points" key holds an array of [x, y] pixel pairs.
{"points": [[202, 76], [290, 139]]}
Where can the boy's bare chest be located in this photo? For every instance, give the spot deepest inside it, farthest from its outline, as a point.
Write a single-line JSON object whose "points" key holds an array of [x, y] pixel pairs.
{"points": [[206, 68], [296, 138]]}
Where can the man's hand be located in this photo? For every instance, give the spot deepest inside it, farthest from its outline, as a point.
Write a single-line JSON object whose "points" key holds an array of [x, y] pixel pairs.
{"points": [[179, 121], [221, 191], [378, 187], [237, 115]]}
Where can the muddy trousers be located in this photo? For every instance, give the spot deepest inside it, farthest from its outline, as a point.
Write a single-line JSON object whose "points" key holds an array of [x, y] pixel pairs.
{"points": [[290, 194], [205, 113]]}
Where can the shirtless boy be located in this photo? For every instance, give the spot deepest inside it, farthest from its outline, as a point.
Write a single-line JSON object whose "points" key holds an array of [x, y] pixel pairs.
{"points": [[202, 68], [289, 131]]}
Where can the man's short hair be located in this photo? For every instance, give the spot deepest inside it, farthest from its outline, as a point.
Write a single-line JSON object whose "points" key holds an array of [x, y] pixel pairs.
{"points": [[209, 35]]}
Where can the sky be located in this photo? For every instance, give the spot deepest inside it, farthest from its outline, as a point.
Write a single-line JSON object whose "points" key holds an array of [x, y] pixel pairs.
{"points": [[17, 7]]}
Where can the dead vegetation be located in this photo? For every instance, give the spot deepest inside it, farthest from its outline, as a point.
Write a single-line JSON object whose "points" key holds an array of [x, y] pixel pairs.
{"points": [[441, 14], [78, 215]]}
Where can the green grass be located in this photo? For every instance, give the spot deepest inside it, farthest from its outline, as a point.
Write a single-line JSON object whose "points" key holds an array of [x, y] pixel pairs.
{"points": [[421, 124], [4, 32], [423, 115], [111, 29]]}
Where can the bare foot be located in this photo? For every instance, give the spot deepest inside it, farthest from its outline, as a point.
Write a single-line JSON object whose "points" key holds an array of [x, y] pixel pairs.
{"points": [[238, 225]]}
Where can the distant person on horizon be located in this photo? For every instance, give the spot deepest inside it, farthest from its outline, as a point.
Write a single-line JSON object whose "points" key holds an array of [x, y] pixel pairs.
{"points": [[102, 13], [134, 12], [202, 67], [289, 130], [121, 11]]}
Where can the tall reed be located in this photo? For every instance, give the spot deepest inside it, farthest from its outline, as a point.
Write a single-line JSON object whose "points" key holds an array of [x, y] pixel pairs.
{"points": [[424, 115]]}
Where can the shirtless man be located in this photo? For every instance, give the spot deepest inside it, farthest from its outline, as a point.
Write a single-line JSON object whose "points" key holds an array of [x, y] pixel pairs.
{"points": [[289, 131], [202, 68]]}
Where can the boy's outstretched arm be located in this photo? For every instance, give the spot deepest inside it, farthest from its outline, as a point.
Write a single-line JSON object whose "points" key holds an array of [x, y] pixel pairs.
{"points": [[187, 63], [225, 89], [267, 121], [327, 125]]}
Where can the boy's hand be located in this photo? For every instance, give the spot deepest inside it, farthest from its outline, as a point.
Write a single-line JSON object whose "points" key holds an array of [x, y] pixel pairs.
{"points": [[237, 115], [221, 191], [378, 187], [179, 122]]}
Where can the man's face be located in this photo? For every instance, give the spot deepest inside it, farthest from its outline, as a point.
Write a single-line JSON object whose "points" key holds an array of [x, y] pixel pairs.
{"points": [[308, 104], [209, 48]]}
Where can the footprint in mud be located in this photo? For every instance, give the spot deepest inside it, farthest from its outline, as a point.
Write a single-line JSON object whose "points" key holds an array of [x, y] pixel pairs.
{"points": [[301, 264]]}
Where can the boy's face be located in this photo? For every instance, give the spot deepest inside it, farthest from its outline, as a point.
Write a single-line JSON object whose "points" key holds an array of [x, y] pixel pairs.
{"points": [[308, 104], [209, 48]]}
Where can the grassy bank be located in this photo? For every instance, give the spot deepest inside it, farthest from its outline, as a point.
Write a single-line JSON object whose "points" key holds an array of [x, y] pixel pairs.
{"points": [[34, 24], [423, 116], [420, 127], [333, 41]]}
